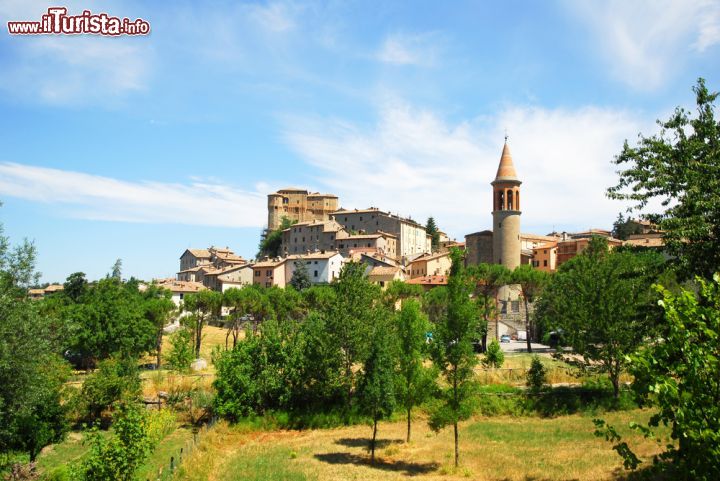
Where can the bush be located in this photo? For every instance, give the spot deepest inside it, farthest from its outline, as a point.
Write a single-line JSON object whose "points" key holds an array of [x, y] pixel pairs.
{"points": [[181, 353], [114, 380], [494, 357], [536, 375]]}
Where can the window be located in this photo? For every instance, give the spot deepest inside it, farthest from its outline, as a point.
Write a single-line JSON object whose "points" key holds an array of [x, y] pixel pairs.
{"points": [[510, 199], [315, 262], [545, 263], [360, 218], [181, 296], [257, 273], [316, 273], [515, 306], [268, 273], [382, 283]]}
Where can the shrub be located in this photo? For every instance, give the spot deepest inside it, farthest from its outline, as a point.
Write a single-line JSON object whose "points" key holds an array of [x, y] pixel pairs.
{"points": [[181, 353], [494, 357], [115, 380], [536, 375]]}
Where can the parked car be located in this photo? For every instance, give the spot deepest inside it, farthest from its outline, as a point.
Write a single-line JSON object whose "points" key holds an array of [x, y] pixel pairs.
{"points": [[504, 338]]}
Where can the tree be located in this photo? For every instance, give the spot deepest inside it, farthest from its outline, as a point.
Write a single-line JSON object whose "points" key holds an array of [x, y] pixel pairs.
{"points": [[117, 270], [301, 277], [399, 291], [75, 286], [531, 281], [415, 381], [110, 320], [488, 279], [434, 233], [377, 389], [680, 167], [494, 357], [182, 351], [350, 318], [32, 375], [204, 305], [158, 307], [536, 375], [453, 352], [270, 244], [623, 229], [114, 380], [603, 302]]}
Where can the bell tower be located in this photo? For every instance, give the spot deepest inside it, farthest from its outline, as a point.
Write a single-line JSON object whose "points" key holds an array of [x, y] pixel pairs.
{"points": [[506, 212]]}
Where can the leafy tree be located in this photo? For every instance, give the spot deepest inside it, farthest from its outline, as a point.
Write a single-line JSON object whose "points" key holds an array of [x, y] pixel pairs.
{"points": [[286, 304], [399, 291], [32, 411], [531, 281], [181, 353], [623, 229], [119, 457], [487, 280], [435, 303], [494, 357], [377, 388], [109, 321], [75, 286], [117, 270], [270, 244], [319, 298], [680, 167], [204, 305], [301, 277], [350, 318], [603, 303], [434, 233], [415, 381], [158, 307], [453, 352]]}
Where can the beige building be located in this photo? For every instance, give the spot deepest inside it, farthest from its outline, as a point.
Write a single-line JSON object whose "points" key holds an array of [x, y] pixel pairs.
{"points": [[545, 257], [180, 289], [194, 258], [385, 275], [195, 264], [379, 242], [310, 236], [430, 265], [237, 277], [269, 273], [568, 248], [411, 236], [299, 205]]}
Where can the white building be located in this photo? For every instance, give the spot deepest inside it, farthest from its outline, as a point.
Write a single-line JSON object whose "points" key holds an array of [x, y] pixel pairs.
{"points": [[322, 267]]}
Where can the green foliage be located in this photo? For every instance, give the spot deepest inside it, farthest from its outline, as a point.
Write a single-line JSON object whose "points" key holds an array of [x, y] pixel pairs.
{"points": [[270, 245], [203, 306], [679, 375], [32, 412], [75, 286], [536, 375], [319, 298], [109, 320], [301, 277], [157, 308], [117, 458], [181, 354], [114, 380], [603, 303], [487, 280], [433, 232], [453, 351], [435, 303], [680, 167], [415, 381], [623, 229], [399, 291], [532, 282], [494, 357], [377, 386]]}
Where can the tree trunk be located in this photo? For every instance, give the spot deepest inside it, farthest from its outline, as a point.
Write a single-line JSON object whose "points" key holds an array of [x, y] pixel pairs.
{"points": [[527, 324], [159, 347], [457, 451], [198, 338], [408, 426], [372, 444]]}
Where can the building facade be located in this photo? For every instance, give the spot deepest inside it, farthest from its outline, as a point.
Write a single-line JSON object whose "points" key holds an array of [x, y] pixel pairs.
{"points": [[322, 267], [299, 205], [310, 236]]}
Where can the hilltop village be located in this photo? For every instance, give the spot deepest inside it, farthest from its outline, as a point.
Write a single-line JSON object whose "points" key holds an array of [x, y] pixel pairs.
{"points": [[313, 230]]}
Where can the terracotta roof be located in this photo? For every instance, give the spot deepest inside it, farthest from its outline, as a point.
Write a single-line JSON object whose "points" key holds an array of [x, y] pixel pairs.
{"points": [[54, 288], [199, 253], [36, 292], [264, 264], [646, 242], [506, 169], [229, 257], [383, 271], [429, 281], [181, 286], [546, 245], [539, 237], [428, 257], [313, 255], [192, 269]]}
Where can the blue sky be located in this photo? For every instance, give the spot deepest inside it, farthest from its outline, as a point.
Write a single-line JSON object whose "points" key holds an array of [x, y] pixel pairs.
{"points": [[139, 147]]}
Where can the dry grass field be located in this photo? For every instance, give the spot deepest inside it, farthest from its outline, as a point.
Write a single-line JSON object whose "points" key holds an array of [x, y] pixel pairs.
{"points": [[498, 448]]}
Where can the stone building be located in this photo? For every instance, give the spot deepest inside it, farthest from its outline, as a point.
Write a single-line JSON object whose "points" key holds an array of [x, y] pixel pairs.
{"points": [[310, 236], [411, 237], [299, 205]]}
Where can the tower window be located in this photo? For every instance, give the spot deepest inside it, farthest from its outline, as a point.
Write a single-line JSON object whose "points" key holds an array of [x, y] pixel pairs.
{"points": [[510, 200], [517, 199]]}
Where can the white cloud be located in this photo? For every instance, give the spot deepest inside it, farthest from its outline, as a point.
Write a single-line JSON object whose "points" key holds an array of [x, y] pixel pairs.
{"points": [[415, 163], [643, 40], [407, 49], [65, 69], [95, 197]]}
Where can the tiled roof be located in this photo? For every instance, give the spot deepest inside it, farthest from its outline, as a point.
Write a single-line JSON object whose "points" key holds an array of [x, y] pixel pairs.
{"points": [[506, 169], [264, 264], [313, 255], [181, 286], [199, 253], [429, 281], [54, 288], [383, 271]]}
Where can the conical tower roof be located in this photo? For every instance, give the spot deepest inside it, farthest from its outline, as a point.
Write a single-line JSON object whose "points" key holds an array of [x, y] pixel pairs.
{"points": [[506, 169]]}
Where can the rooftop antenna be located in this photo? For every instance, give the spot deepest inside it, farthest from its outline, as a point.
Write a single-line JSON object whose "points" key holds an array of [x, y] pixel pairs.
{"points": [[506, 135]]}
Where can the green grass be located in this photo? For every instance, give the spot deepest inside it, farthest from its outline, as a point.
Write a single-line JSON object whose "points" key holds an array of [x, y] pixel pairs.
{"points": [[257, 464], [160, 457]]}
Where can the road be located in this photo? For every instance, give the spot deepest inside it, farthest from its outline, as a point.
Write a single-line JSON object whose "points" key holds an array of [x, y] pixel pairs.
{"points": [[521, 346]]}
